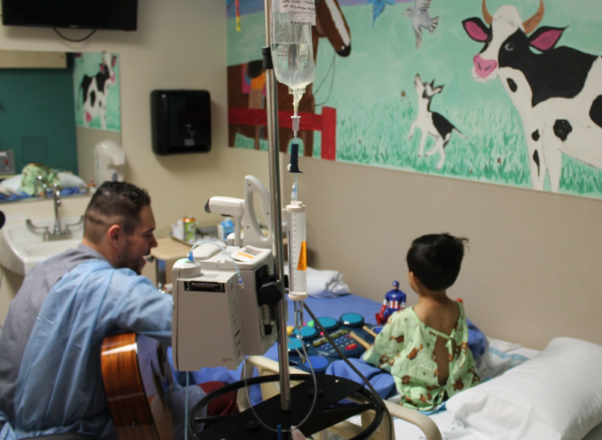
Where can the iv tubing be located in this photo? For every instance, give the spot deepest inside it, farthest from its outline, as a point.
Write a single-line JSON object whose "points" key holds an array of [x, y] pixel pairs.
{"points": [[186, 408], [311, 410]]}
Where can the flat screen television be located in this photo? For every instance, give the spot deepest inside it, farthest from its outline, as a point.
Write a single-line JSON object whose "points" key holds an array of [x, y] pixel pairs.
{"points": [[79, 14]]}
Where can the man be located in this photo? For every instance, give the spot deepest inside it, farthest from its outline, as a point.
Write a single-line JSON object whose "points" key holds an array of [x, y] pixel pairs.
{"points": [[50, 378]]}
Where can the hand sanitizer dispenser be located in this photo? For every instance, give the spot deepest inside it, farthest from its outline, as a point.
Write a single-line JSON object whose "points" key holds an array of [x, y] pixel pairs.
{"points": [[109, 162]]}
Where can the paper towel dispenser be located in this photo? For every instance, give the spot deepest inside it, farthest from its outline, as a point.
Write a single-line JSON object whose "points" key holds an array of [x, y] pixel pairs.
{"points": [[181, 121]]}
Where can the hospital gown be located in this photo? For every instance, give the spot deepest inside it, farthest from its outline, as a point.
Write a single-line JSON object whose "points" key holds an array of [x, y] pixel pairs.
{"points": [[50, 377], [405, 348]]}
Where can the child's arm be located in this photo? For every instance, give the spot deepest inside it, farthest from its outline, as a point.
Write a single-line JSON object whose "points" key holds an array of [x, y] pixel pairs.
{"points": [[387, 345]]}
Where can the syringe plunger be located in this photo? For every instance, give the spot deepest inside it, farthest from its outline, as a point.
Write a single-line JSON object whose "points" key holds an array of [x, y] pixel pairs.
{"points": [[297, 250]]}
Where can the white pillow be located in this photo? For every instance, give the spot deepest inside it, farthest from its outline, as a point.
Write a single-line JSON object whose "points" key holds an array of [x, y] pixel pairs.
{"points": [[12, 183], [69, 180], [555, 395]]}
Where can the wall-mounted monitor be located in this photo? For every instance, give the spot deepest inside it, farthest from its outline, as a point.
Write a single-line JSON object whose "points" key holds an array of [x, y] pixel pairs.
{"points": [[79, 14]]}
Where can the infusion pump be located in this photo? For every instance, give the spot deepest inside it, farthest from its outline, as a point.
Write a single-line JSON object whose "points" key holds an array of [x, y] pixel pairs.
{"points": [[216, 321]]}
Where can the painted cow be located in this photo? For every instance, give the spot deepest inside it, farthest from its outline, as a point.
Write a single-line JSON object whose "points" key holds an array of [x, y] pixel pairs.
{"points": [[95, 90], [246, 81], [556, 90]]}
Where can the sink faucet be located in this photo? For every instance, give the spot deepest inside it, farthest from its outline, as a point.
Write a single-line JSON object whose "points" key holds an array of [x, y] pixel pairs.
{"points": [[57, 233], [56, 195]]}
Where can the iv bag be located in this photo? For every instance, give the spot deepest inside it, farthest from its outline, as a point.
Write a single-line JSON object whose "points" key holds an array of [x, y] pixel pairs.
{"points": [[292, 51]]}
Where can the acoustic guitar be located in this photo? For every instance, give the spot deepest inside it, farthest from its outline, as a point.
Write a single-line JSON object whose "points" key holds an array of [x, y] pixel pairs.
{"points": [[138, 383]]}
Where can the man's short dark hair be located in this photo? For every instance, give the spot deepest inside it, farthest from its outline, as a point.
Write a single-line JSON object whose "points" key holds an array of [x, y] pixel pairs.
{"points": [[114, 203], [435, 259]]}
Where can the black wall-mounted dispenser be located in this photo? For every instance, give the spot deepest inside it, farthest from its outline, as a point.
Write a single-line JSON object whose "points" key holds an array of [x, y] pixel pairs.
{"points": [[181, 121]]}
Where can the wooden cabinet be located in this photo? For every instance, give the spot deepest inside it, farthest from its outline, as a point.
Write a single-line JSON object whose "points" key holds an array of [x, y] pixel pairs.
{"points": [[21, 59]]}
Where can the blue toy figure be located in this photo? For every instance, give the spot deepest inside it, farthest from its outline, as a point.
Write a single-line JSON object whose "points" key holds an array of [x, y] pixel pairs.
{"points": [[394, 300]]}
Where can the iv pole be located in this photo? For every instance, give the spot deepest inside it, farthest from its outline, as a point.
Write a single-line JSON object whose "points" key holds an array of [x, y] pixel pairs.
{"points": [[274, 168]]}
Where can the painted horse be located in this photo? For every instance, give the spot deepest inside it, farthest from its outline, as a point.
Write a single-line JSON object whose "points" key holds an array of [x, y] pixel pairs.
{"points": [[246, 81]]}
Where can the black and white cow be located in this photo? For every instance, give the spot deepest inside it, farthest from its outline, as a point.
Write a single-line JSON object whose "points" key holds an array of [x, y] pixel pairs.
{"points": [[95, 91], [556, 90]]}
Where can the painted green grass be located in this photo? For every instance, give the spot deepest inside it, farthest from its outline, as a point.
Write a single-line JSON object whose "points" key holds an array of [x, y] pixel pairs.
{"points": [[492, 153], [495, 150]]}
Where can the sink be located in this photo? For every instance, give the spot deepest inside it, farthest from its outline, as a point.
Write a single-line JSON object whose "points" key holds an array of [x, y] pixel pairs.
{"points": [[22, 249]]}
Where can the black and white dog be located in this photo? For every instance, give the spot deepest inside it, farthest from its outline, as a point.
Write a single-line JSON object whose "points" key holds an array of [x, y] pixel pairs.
{"points": [[431, 122]]}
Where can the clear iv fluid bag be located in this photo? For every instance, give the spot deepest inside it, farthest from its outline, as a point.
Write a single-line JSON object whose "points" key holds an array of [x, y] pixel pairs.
{"points": [[292, 51]]}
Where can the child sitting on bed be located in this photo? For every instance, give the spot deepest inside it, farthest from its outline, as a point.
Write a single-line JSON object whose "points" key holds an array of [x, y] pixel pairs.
{"points": [[425, 347]]}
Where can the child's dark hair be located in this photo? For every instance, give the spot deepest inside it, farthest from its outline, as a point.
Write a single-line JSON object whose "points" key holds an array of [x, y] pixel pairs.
{"points": [[435, 259]]}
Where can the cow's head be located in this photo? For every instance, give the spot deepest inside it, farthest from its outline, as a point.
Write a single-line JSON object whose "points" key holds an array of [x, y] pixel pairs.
{"points": [[108, 65], [506, 39]]}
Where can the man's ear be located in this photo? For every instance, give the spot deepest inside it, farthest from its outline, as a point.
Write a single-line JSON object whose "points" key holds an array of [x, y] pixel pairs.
{"points": [[115, 235]]}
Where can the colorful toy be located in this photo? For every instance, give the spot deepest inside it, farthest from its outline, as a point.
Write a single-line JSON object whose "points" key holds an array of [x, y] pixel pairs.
{"points": [[394, 300]]}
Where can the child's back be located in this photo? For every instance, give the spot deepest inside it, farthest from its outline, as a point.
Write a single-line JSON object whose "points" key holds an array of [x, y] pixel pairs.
{"points": [[425, 347], [442, 318]]}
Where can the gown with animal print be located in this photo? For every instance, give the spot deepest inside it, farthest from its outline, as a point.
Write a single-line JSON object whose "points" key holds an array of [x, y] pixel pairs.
{"points": [[405, 348]]}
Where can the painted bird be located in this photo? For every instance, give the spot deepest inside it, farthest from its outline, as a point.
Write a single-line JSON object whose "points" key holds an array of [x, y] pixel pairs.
{"points": [[421, 18]]}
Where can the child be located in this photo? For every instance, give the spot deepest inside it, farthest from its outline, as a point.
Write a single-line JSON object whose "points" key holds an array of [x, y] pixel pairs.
{"points": [[425, 347]]}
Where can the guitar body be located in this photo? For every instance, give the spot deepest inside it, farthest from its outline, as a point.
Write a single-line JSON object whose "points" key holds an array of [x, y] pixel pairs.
{"points": [[137, 381]]}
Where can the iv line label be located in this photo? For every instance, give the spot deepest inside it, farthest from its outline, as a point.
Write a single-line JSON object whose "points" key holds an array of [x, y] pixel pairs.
{"points": [[299, 11], [302, 265]]}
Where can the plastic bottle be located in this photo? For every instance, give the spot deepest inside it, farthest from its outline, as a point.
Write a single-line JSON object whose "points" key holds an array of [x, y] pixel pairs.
{"points": [[292, 53]]}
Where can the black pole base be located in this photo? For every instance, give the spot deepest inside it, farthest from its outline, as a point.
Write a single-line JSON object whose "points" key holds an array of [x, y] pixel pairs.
{"points": [[327, 410]]}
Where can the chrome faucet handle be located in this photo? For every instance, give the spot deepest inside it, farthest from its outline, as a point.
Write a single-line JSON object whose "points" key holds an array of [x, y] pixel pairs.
{"points": [[79, 222], [37, 229], [56, 193]]}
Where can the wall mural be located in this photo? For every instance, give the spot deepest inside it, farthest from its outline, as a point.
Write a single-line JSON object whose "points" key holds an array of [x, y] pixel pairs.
{"points": [[501, 91], [96, 91]]}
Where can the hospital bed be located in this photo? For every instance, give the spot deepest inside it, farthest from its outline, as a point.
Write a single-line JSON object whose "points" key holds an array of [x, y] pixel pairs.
{"points": [[551, 394]]}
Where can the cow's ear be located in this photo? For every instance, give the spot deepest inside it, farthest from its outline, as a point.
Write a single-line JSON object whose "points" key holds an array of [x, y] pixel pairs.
{"points": [[545, 38], [101, 66], [113, 61], [476, 29]]}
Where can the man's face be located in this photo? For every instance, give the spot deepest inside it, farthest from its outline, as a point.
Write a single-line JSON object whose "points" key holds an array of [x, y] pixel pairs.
{"points": [[139, 243]]}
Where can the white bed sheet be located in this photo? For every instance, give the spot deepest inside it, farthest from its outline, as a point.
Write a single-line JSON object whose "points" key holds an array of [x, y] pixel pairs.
{"points": [[501, 356]]}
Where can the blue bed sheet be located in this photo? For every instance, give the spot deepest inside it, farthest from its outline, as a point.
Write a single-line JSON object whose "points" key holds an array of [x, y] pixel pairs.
{"points": [[332, 307], [64, 192]]}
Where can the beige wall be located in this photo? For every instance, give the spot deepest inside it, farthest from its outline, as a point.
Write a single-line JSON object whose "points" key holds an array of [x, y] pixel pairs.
{"points": [[532, 272], [533, 269]]}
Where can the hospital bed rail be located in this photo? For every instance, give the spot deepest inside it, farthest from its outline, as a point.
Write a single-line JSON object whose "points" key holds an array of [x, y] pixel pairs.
{"points": [[344, 429]]}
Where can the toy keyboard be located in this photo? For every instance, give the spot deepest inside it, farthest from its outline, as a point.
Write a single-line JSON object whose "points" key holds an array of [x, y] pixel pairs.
{"points": [[320, 350]]}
